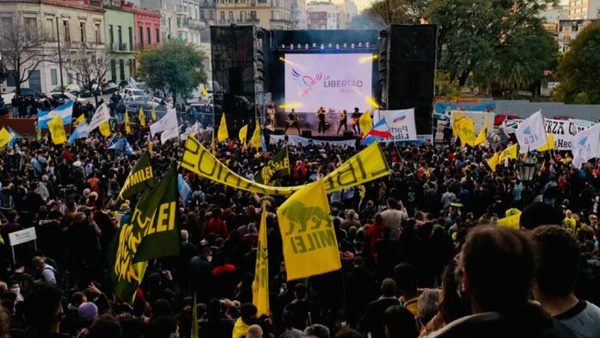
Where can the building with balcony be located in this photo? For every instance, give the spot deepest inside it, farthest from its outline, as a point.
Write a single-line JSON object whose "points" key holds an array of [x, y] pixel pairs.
{"points": [[78, 24], [568, 30], [583, 9], [119, 24], [147, 25], [268, 14], [324, 15], [298, 10]]}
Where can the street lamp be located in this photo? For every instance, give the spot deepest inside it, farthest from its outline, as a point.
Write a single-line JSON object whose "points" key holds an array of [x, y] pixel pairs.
{"points": [[528, 168]]}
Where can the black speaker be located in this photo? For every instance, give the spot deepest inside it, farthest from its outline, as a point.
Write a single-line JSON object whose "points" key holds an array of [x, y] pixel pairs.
{"points": [[348, 134], [306, 133], [411, 71], [278, 131]]}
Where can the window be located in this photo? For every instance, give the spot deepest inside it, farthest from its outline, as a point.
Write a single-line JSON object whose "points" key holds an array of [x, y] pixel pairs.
{"points": [[202, 14], [82, 31], [53, 77], [10, 79], [130, 38], [119, 37], [122, 69], [148, 36], [113, 70], [231, 16], [50, 27], [6, 23], [141, 29], [69, 78], [222, 16], [66, 31], [111, 37], [253, 15], [130, 66], [30, 27], [157, 35], [98, 34]]}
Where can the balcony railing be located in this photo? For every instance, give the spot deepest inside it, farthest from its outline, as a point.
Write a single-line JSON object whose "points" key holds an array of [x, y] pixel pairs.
{"points": [[116, 47]]}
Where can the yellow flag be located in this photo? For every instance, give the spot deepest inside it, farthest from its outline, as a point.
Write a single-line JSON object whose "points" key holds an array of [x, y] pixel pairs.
{"points": [[549, 145], [142, 118], [153, 113], [204, 91], [243, 134], [223, 134], [260, 285], [255, 140], [5, 137], [493, 161], [309, 244], [105, 128], [365, 122], [509, 152], [512, 219], [481, 137], [57, 130], [127, 124], [465, 130], [80, 119]]}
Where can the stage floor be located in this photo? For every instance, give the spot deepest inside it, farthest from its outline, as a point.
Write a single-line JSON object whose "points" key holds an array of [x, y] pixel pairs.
{"points": [[331, 132]]}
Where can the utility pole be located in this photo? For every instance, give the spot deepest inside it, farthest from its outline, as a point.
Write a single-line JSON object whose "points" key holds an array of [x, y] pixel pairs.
{"points": [[60, 68]]}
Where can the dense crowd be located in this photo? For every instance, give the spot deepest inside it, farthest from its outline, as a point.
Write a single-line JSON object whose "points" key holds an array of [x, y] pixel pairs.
{"points": [[421, 254]]}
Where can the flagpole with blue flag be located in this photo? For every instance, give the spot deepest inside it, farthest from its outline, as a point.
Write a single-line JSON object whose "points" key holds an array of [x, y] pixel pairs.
{"points": [[65, 111]]}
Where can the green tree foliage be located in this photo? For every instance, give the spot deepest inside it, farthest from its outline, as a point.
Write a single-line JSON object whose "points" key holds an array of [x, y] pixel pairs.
{"points": [[175, 66], [500, 44], [579, 69]]}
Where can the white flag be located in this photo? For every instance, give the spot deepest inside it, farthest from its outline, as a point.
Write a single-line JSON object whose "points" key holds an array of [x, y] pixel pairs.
{"points": [[585, 145], [169, 121], [531, 133], [102, 114], [169, 134], [193, 130]]}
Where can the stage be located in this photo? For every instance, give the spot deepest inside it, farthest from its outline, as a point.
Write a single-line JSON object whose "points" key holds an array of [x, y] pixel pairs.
{"points": [[308, 123]]}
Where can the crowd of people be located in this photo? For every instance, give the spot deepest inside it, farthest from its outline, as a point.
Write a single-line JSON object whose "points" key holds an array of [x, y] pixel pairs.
{"points": [[421, 253]]}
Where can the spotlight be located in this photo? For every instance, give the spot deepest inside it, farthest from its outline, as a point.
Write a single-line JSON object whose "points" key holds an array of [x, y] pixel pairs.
{"points": [[345, 45], [322, 46], [337, 46], [367, 45], [282, 46], [360, 44], [292, 46], [298, 46], [314, 45], [306, 46], [352, 45], [329, 45]]}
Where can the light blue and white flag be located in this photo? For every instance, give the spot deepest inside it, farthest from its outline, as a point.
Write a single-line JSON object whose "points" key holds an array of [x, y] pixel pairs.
{"points": [[121, 145], [184, 188], [15, 137], [65, 112], [81, 131]]}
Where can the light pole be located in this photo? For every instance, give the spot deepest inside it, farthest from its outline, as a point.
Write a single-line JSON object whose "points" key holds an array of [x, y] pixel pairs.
{"points": [[62, 87]]}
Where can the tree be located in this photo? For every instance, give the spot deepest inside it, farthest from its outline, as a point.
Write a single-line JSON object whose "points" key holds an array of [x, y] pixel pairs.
{"points": [[398, 11], [23, 51], [175, 66], [91, 64], [579, 69], [486, 39]]}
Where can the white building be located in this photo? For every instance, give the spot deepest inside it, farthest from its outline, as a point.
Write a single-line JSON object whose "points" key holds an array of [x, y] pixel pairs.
{"points": [[323, 15], [568, 30], [583, 9], [298, 13]]}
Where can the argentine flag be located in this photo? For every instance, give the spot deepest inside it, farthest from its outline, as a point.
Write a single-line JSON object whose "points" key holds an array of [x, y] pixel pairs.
{"points": [[15, 137], [81, 131], [184, 188], [65, 112], [121, 145]]}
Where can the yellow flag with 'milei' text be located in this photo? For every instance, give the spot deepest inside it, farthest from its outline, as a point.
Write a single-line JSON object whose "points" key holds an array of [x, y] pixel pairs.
{"points": [[223, 134], [510, 152], [57, 130], [309, 243], [142, 117], [243, 134], [127, 124], [260, 285], [365, 122], [104, 128]]}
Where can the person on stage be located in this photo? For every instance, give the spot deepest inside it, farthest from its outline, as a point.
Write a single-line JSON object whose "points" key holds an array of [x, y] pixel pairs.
{"points": [[343, 121], [355, 124], [321, 114], [271, 117], [292, 121]]}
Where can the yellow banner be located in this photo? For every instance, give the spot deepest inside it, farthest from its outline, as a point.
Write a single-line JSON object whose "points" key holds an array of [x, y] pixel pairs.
{"points": [[243, 134], [492, 162], [260, 285], [464, 128], [512, 221], [142, 118], [255, 139], [549, 145], [309, 244], [127, 124], [5, 137], [57, 130], [367, 165], [79, 120], [509, 152], [365, 122]]}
